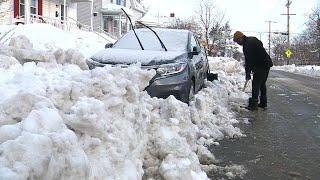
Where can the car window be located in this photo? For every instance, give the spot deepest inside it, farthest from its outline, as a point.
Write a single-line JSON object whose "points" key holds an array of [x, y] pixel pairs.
{"points": [[174, 40]]}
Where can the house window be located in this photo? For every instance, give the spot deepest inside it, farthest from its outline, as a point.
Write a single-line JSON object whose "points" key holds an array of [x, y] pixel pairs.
{"points": [[21, 8], [121, 2], [33, 7]]}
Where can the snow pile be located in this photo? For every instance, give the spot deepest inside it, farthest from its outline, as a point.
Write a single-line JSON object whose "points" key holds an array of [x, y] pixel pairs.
{"points": [[22, 50], [68, 123], [232, 77], [94, 124], [45, 37], [226, 65], [310, 70], [61, 121]]}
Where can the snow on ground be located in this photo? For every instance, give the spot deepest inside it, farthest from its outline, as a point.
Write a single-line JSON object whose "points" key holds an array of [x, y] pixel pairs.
{"points": [[59, 120], [48, 38], [310, 70]]}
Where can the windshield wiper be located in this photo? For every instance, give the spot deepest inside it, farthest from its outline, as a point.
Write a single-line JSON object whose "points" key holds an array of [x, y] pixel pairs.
{"points": [[133, 28], [163, 46]]}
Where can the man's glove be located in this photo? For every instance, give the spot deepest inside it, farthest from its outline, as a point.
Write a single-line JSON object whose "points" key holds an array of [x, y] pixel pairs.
{"points": [[248, 77]]}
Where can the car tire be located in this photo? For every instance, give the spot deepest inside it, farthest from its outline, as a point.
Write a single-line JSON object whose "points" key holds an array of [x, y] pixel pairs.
{"points": [[191, 93]]}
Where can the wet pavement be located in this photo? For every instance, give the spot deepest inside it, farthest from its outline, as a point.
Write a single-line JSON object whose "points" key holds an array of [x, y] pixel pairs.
{"points": [[283, 142]]}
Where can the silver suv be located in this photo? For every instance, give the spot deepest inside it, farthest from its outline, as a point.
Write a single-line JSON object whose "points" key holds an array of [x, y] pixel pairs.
{"points": [[181, 64]]}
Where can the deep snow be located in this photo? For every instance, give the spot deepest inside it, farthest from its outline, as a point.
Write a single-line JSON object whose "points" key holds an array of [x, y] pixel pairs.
{"points": [[61, 121]]}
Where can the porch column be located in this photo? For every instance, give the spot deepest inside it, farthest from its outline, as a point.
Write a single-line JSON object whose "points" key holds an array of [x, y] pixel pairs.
{"points": [[27, 11], [64, 15], [120, 21], [91, 15]]}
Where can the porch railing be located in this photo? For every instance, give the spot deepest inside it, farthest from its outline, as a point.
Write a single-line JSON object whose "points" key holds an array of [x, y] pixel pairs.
{"points": [[67, 25]]}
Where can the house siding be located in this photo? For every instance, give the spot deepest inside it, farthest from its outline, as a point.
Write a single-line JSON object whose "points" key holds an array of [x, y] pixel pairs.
{"points": [[6, 12], [84, 15], [51, 6], [97, 20]]}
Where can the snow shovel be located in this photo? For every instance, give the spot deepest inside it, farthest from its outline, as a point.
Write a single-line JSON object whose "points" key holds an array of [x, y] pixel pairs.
{"points": [[245, 85]]}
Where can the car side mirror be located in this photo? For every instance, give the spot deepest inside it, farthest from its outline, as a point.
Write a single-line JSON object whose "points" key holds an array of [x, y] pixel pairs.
{"points": [[196, 50], [109, 45]]}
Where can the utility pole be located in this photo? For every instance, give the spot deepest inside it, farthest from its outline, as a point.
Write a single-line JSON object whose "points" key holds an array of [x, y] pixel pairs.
{"points": [[288, 20], [270, 33]]}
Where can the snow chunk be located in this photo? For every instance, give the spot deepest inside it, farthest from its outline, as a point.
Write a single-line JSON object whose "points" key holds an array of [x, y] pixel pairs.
{"points": [[7, 61], [21, 42]]}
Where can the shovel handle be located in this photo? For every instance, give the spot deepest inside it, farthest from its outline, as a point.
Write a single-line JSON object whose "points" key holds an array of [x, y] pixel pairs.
{"points": [[245, 85]]}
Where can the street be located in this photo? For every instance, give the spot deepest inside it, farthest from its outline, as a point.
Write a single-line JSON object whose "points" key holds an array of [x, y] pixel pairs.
{"points": [[282, 142]]}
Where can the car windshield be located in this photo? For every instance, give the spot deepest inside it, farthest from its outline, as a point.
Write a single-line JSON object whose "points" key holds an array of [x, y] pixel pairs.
{"points": [[174, 40]]}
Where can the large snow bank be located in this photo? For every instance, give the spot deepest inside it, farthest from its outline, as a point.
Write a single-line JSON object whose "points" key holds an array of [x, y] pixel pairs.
{"points": [[310, 70], [48, 38], [58, 121], [62, 122]]}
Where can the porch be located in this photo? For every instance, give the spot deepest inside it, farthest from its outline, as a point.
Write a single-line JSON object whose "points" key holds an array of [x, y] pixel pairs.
{"points": [[114, 21]]}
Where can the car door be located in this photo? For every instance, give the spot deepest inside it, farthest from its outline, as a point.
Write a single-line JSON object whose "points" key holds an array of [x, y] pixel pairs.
{"points": [[197, 61]]}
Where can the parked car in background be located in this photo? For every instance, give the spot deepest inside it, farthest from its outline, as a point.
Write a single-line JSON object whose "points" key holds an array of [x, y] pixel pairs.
{"points": [[181, 64]]}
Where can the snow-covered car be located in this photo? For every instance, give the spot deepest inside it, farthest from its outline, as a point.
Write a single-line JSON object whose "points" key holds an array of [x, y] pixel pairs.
{"points": [[181, 64]]}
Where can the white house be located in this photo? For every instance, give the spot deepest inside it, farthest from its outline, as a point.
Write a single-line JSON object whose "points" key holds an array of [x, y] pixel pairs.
{"points": [[107, 16], [56, 12]]}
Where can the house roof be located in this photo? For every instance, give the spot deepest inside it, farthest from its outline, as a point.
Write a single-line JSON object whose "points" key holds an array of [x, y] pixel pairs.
{"points": [[115, 9]]}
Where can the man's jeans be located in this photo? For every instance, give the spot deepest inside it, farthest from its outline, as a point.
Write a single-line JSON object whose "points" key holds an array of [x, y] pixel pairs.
{"points": [[260, 76]]}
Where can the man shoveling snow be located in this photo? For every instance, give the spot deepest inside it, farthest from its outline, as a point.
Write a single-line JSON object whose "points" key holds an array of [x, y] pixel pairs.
{"points": [[258, 61]]}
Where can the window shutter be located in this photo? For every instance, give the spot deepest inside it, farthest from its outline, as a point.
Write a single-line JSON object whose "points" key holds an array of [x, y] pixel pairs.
{"points": [[15, 8], [40, 7]]}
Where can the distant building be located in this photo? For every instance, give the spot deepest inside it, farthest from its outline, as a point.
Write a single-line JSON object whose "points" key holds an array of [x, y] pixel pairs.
{"points": [[107, 16]]}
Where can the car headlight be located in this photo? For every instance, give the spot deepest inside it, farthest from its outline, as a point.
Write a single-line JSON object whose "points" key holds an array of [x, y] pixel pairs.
{"points": [[173, 68]]}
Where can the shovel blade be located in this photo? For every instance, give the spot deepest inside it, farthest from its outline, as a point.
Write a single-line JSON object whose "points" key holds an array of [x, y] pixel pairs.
{"points": [[212, 76]]}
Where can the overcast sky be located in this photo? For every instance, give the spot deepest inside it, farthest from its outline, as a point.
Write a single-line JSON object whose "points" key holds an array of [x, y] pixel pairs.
{"points": [[244, 15]]}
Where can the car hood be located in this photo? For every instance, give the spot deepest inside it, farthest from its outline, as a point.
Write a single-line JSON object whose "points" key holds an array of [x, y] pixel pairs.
{"points": [[145, 57]]}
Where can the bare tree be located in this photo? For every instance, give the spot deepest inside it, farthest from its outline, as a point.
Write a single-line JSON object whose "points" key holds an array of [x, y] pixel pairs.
{"points": [[313, 32], [189, 24], [209, 16], [279, 43], [306, 46], [220, 34]]}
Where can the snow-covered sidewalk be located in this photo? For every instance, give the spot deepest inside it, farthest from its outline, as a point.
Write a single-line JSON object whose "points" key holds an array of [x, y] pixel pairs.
{"points": [[310, 70], [59, 120]]}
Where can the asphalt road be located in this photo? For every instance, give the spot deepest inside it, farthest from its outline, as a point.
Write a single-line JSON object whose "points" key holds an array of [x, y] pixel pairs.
{"points": [[283, 142]]}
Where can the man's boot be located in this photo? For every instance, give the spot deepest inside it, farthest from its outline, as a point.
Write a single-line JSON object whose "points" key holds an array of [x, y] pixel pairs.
{"points": [[253, 104], [263, 102]]}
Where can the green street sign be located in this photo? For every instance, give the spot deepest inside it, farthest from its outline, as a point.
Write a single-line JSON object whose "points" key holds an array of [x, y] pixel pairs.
{"points": [[288, 53]]}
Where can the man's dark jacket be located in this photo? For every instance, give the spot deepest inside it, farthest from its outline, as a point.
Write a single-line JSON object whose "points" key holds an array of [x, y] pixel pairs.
{"points": [[256, 56]]}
